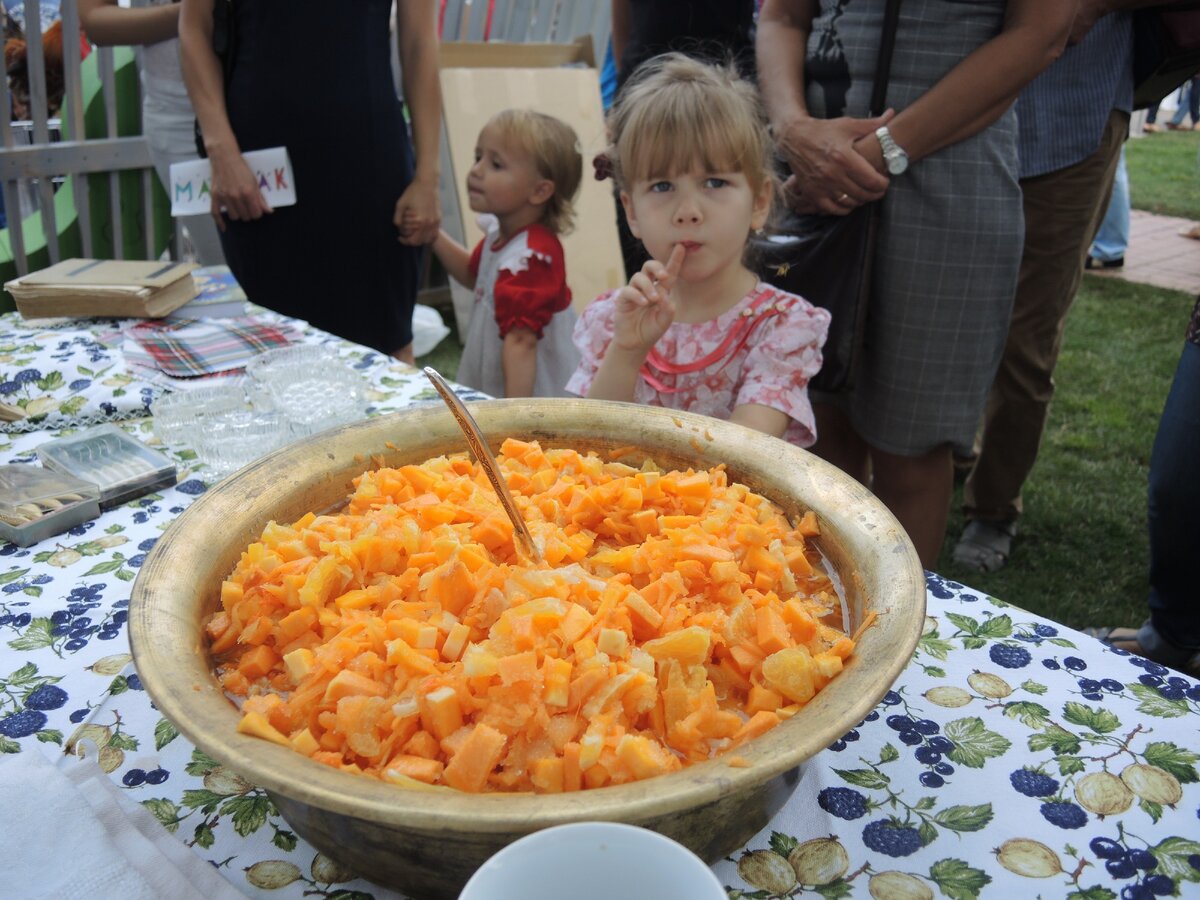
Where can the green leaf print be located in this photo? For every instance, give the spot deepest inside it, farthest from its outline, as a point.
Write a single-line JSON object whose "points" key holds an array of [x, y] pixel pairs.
{"points": [[72, 405], [782, 844], [957, 880], [1034, 687], [974, 744], [50, 736], [965, 818], [23, 675], [37, 636], [964, 623], [1069, 765], [928, 833], [1152, 703], [203, 835], [1173, 759], [105, 567], [888, 754], [1055, 738], [1092, 893], [52, 381], [7, 745], [164, 733], [205, 801], [165, 811], [1172, 855], [201, 764], [1153, 810], [8, 577], [864, 778], [249, 812], [284, 840], [119, 685], [1028, 713], [935, 646], [835, 890], [1100, 721], [973, 643], [996, 627], [123, 741]]}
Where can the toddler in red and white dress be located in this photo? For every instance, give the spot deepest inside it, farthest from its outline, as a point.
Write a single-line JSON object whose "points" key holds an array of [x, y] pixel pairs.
{"points": [[526, 173]]}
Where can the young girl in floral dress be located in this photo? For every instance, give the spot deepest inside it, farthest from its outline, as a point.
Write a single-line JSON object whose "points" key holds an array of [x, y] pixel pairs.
{"points": [[526, 174], [695, 329]]}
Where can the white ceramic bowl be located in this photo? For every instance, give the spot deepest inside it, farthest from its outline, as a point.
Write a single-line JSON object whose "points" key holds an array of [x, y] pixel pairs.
{"points": [[594, 861]]}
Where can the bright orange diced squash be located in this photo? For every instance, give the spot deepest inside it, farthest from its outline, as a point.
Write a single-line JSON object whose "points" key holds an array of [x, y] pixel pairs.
{"points": [[418, 768], [469, 768], [675, 615], [257, 662]]}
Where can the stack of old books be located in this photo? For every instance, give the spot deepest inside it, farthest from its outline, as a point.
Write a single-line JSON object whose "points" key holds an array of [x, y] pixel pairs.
{"points": [[104, 287]]}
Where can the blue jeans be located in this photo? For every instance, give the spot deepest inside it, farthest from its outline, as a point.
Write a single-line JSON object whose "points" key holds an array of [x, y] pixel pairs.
{"points": [[1113, 236], [1174, 515], [1189, 102]]}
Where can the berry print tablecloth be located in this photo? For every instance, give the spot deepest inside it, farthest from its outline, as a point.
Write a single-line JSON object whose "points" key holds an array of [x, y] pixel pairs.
{"points": [[1013, 756]]}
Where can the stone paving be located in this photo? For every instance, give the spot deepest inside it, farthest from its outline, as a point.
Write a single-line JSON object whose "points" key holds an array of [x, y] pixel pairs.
{"points": [[1159, 253]]}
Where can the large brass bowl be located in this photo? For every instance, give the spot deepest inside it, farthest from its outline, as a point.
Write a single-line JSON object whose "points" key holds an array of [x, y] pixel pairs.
{"points": [[429, 843]]}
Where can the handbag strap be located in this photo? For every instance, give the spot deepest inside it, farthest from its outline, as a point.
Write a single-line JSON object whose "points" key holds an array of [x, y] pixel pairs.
{"points": [[883, 65]]}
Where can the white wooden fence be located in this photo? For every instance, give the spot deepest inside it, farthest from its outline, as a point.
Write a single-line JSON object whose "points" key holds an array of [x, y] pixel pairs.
{"points": [[32, 162], [41, 154]]}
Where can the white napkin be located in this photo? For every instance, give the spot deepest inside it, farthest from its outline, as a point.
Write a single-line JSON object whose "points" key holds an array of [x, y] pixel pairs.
{"points": [[68, 832]]}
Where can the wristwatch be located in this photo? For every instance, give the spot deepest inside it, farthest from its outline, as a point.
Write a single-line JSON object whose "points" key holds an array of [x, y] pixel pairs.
{"points": [[894, 156]]}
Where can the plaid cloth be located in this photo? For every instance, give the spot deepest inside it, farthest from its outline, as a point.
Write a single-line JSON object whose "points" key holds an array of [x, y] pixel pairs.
{"points": [[189, 349]]}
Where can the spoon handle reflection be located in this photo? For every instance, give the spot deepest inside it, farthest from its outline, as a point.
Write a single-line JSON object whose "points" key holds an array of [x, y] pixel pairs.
{"points": [[483, 455]]}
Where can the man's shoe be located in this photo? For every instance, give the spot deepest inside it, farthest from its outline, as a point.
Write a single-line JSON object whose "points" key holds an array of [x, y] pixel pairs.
{"points": [[1092, 263]]}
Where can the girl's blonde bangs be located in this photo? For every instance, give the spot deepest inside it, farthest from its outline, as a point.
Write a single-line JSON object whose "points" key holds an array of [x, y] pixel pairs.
{"points": [[684, 128]]}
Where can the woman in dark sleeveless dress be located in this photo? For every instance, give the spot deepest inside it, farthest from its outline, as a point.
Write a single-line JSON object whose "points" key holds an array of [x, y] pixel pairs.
{"points": [[316, 78]]}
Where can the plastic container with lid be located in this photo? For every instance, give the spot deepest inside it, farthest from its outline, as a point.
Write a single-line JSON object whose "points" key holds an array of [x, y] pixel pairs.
{"points": [[36, 503], [121, 466]]}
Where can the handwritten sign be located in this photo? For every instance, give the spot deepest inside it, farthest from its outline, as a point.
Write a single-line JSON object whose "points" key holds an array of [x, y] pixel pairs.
{"points": [[191, 182]]}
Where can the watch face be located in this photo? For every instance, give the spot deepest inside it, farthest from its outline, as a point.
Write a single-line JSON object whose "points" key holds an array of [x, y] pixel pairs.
{"points": [[898, 164]]}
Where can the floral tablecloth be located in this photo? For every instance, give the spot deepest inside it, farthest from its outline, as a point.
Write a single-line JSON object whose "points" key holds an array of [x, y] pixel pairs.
{"points": [[1012, 757]]}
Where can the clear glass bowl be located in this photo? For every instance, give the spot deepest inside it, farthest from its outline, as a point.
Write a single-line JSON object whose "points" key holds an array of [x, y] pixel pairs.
{"points": [[176, 414], [291, 355], [234, 438], [315, 395]]}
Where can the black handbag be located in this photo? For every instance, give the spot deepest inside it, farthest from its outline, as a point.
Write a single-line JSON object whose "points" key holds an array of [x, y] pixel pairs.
{"points": [[1166, 51], [224, 41], [828, 260]]}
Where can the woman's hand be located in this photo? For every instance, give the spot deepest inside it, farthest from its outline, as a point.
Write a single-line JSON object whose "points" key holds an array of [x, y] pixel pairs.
{"points": [[644, 308], [828, 175], [235, 190], [418, 214]]}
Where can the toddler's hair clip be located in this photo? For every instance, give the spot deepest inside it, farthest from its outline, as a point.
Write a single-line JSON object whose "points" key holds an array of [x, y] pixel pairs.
{"points": [[603, 166]]}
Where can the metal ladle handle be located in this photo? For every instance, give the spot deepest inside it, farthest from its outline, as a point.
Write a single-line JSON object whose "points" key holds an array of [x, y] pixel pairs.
{"points": [[484, 457]]}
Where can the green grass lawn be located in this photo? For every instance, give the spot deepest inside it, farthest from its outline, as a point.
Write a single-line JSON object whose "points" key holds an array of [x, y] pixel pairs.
{"points": [[1081, 556], [1164, 173]]}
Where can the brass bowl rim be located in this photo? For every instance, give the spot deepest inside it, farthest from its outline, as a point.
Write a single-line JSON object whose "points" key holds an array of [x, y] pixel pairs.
{"points": [[182, 694]]}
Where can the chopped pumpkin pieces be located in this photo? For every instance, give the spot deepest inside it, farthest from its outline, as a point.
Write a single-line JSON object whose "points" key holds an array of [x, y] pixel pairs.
{"points": [[675, 616]]}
